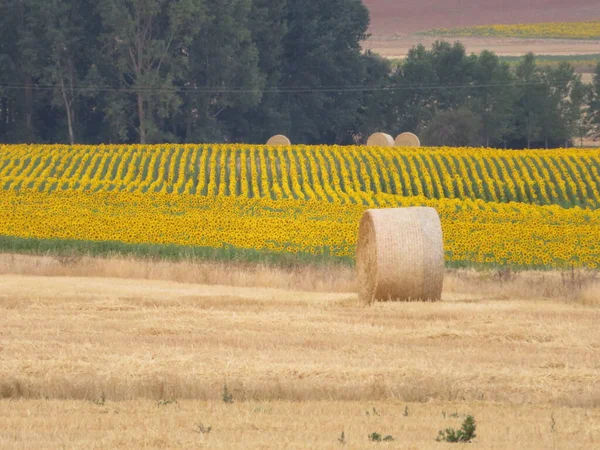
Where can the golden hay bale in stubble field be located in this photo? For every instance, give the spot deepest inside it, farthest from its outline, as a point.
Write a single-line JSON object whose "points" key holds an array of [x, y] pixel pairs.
{"points": [[400, 255], [279, 139], [380, 140], [407, 140]]}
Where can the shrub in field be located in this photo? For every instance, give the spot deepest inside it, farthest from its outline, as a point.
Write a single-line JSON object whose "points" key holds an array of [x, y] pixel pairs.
{"points": [[465, 434]]}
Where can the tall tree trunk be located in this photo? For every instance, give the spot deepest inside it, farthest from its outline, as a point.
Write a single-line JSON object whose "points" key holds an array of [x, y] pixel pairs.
{"points": [[3, 115], [141, 118], [68, 110], [29, 105]]}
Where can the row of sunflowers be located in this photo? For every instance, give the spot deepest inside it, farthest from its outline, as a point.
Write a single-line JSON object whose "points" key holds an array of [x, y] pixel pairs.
{"points": [[568, 177], [546, 30]]}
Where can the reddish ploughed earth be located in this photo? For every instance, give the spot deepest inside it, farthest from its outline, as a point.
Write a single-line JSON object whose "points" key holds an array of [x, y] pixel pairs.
{"points": [[393, 22]]}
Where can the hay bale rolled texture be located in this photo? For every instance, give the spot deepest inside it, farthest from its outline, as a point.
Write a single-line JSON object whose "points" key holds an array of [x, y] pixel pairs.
{"points": [[380, 140], [279, 139], [407, 140], [400, 255]]}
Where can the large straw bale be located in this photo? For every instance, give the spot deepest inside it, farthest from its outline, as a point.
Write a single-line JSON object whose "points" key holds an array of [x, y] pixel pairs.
{"points": [[407, 140], [279, 139], [380, 140], [400, 255]]}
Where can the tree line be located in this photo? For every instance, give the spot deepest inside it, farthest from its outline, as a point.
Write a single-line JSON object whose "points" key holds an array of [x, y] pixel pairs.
{"points": [[149, 71]]}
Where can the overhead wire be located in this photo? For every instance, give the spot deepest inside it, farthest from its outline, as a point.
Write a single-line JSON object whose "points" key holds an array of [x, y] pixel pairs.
{"points": [[234, 90]]}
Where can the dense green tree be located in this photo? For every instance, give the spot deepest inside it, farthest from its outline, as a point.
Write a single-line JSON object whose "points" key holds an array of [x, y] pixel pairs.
{"points": [[322, 63], [532, 100], [242, 70], [492, 98], [65, 55], [412, 104], [454, 127], [430, 81], [147, 42], [594, 103], [19, 62], [267, 23], [454, 75], [374, 112], [564, 104], [224, 73]]}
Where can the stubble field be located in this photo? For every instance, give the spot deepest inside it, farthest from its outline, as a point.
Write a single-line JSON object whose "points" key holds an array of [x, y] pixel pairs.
{"points": [[140, 362]]}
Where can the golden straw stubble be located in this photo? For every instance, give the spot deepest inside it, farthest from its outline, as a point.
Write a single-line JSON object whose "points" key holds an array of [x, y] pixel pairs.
{"points": [[400, 255]]}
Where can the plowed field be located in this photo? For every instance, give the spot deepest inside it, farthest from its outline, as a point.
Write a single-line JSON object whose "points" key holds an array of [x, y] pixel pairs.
{"points": [[393, 23]]}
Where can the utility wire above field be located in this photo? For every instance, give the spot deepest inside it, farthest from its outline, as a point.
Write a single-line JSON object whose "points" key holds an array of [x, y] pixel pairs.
{"points": [[233, 90]]}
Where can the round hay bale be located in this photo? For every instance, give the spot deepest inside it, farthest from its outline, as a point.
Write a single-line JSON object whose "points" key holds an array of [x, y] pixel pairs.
{"points": [[279, 139], [407, 140], [400, 255], [380, 140]]}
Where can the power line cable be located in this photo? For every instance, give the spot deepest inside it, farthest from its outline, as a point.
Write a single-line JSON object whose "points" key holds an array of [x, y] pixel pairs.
{"points": [[234, 90]]}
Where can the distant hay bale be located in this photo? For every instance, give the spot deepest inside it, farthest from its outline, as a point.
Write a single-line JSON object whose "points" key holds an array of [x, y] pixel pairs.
{"points": [[407, 140], [400, 255], [380, 140], [279, 139]]}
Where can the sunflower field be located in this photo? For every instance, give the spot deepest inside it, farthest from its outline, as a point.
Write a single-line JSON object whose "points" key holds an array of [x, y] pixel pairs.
{"points": [[535, 208], [547, 30]]}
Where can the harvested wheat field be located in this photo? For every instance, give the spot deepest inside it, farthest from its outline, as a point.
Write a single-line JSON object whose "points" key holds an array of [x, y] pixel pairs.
{"points": [[129, 363]]}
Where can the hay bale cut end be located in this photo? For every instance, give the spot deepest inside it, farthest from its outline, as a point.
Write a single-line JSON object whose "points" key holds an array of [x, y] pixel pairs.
{"points": [[400, 255], [380, 140], [279, 139], [407, 140]]}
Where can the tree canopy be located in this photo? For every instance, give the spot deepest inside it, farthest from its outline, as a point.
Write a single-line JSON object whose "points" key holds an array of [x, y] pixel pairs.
{"points": [[148, 71]]}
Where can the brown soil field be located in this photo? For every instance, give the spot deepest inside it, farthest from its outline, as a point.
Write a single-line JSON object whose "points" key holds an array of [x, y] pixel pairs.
{"points": [[392, 17], [394, 22], [105, 362]]}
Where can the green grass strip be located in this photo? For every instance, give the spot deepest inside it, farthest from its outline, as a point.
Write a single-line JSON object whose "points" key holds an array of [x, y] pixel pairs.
{"points": [[227, 253], [157, 252]]}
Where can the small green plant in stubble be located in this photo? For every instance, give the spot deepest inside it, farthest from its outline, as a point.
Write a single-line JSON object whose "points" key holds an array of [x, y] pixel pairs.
{"points": [[373, 412], [226, 396], [378, 437], [553, 430], [200, 428], [465, 434], [100, 401]]}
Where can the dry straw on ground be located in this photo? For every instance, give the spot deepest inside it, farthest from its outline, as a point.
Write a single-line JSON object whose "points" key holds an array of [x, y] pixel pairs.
{"points": [[87, 338], [148, 424], [279, 139], [380, 140], [400, 255], [407, 140]]}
